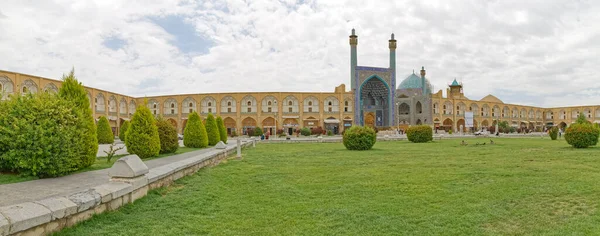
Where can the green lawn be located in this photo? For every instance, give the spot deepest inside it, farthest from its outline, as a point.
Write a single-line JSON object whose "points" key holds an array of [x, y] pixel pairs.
{"points": [[7, 178], [520, 186]]}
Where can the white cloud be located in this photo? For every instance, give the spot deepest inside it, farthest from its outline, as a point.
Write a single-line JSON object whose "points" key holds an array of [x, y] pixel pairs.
{"points": [[543, 52]]}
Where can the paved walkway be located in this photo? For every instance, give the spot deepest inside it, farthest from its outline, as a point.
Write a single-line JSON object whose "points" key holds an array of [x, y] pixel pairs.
{"points": [[61, 186]]}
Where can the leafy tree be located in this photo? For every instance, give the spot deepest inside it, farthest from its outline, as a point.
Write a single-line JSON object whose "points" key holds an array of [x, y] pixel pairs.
{"points": [[212, 130], [168, 136], [87, 145], [306, 131], [553, 132], [123, 130], [195, 135], [105, 134], [359, 138], [582, 134], [40, 136], [142, 135], [222, 129], [258, 131]]}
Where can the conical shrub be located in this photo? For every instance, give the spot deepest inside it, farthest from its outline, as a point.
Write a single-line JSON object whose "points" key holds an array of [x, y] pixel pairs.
{"points": [[142, 135], [212, 130], [87, 142], [168, 136], [222, 129], [105, 134], [195, 135], [123, 130]]}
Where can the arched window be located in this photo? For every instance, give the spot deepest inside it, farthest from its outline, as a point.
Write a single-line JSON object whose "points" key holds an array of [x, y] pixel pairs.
{"points": [[172, 105], [210, 105], [154, 106], [330, 104], [191, 104], [290, 103], [346, 103], [249, 104], [24, 89], [290, 109], [310, 103], [329, 109], [269, 103], [228, 103]]}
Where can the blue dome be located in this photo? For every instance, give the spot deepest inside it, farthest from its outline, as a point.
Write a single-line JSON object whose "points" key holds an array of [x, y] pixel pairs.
{"points": [[414, 82]]}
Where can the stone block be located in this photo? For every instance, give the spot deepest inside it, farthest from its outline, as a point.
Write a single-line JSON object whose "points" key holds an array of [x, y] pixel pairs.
{"points": [[4, 225], [60, 207], [135, 183], [85, 200], [112, 190], [79, 217], [115, 204], [53, 226], [25, 216], [139, 193], [220, 145], [100, 208], [159, 173], [128, 167]]}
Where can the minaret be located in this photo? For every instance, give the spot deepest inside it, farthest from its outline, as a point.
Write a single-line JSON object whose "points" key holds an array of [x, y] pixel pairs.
{"points": [[392, 107], [423, 85], [353, 59]]}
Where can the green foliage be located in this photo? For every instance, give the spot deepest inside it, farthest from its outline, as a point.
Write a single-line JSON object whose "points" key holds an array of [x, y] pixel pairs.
{"points": [[450, 131], [233, 133], [212, 130], [329, 133], [359, 138], [553, 132], [167, 134], [305, 131], [142, 135], [503, 125], [72, 90], [195, 135], [222, 129], [582, 120], [105, 134], [258, 131], [123, 130], [39, 135], [582, 134], [419, 134], [111, 152], [512, 129]]}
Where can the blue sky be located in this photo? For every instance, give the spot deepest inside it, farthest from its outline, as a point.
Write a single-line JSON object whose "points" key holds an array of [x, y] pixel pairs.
{"points": [[538, 52]]}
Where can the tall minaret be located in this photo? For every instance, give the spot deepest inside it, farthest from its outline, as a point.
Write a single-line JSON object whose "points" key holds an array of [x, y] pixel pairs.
{"points": [[423, 85], [392, 107], [353, 59]]}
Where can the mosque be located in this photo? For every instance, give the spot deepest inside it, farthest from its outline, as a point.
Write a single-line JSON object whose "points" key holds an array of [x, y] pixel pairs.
{"points": [[373, 100]]}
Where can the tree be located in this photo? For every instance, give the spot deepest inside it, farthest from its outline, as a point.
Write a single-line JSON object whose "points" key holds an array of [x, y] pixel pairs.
{"points": [[359, 138], [419, 134], [582, 134], [222, 129], [212, 130], [40, 135], [553, 132], [258, 131], [195, 135], [105, 134], [123, 130], [168, 136], [87, 144], [142, 135]]}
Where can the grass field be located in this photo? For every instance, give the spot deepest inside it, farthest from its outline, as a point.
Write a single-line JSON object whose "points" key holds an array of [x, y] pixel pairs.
{"points": [[515, 187], [101, 163]]}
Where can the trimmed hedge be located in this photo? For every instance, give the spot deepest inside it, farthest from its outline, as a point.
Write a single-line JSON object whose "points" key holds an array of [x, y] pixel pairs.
{"points": [[419, 134], [142, 135], [105, 134], [212, 130], [359, 138], [222, 129], [72, 90], [123, 130], [195, 135], [258, 131], [40, 136], [582, 134], [553, 133], [167, 133]]}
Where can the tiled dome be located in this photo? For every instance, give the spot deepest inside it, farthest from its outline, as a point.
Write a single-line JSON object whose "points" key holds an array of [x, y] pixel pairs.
{"points": [[413, 81]]}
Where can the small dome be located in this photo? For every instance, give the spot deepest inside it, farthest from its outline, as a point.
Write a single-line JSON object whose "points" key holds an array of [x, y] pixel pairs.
{"points": [[491, 98], [413, 81]]}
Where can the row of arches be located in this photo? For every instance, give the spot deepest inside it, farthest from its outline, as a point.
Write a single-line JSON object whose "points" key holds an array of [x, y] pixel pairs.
{"points": [[449, 124], [7, 87], [100, 105], [447, 108], [404, 108], [249, 104]]}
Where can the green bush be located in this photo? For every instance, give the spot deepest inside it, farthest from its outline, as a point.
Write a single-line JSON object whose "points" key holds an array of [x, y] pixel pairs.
{"points": [[329, 133], [142, 135], [450, 131], [167, 133], [105, 134], [359, 138], [72, 90], [305, 131], [419, 134], [39, 135], [195, 135], [582, 134], [212, 130], [258, 131], [123, 130], [553, 133], [222, 129]]}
